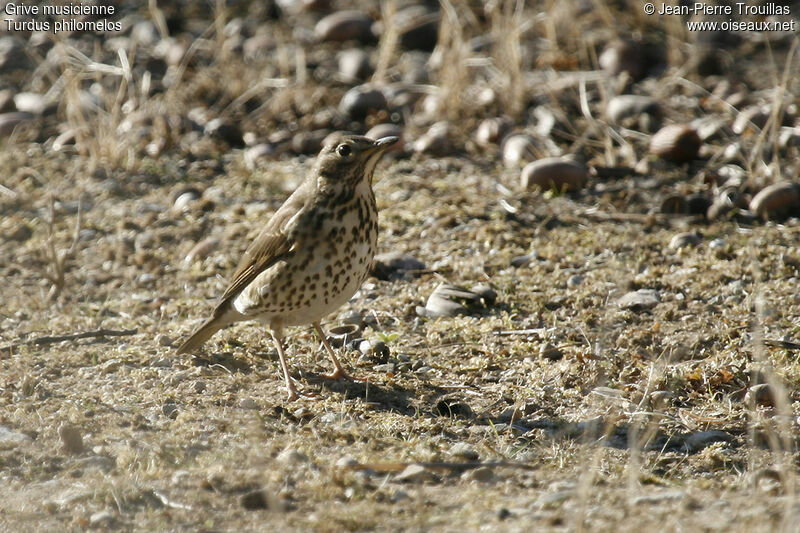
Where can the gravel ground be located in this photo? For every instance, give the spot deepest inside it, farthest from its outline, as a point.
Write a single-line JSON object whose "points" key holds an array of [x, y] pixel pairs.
{"points": [[613, 350]]}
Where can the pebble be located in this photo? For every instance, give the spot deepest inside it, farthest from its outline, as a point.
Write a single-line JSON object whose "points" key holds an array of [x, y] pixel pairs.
{"points": [[354, 64], [640, 300], [435, 141], [257, 154], [761, 394], [491, 130], [550, 352], [33, 103], [557, 173], [345, 26], [415, 473], [362, 100], [248, 403], [624, 56], [260, 499], [11, 439], [464, 451], [776, 200], [702, 439], [682, 240], [375, 349], [417, 28], [574, 280], [448, 300], [71, 438], [163, 340], [202, 249], [199, 386], [399, 495], [185, 199], [9, 121], [519, 149], [352, 317], [395, 265], [290, 456], [483, 474], [103, 519], [634, 110], [677, 142], [226, 131]]}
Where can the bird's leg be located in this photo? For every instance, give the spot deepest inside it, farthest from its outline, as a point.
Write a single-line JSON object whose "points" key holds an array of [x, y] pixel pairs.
{"points": [[290, 387], [339, 372]]}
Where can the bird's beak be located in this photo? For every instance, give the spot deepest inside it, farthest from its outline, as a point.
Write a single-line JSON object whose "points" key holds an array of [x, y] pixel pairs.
{"points": [[385, 142]]}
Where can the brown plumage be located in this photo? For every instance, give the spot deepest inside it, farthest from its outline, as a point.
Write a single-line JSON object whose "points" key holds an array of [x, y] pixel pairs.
{"points": [[312, 255]]}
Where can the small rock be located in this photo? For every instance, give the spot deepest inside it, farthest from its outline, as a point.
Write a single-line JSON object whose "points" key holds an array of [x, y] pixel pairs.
{"points": [[226, 131], [464, 451], [660, 399], [260, 499], [417, 28], [387, 368], [184, 200], [9, 121], [354, 65], [761, 394], [554, 173], [415, 473], [702, 439], [257, 154], [640, 300], [20, 232], [71, 438], [677, 142], [574, 280], [101, 519], [398, 496], [345, 26], [776, 200], [453, 409], [624, 56], [435, 141], [519, 149], [309, 142], [393, 265], [449, 300], [491, 130], [682, 240], [291, 456], [248, 403], [362, 100], [482, 474], [634, 110], [32, 103], [375, 349], [202, 249], [550, 352], [163, 340], [199, 386], [11, 439]]}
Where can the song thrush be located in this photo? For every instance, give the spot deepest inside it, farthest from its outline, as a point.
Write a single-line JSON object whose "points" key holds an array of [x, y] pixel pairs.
{"points": [[312, 255]]}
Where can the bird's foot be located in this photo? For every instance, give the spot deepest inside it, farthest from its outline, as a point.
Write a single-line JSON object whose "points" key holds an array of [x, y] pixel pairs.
{"points": [[340, 373], [295, 394]]}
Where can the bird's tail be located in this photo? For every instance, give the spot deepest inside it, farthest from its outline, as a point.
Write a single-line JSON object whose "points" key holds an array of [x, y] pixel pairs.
{"points": [[204, 332]]}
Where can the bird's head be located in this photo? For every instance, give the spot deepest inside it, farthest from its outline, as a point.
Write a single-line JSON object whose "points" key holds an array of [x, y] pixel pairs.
{"points": [[347, 160]]}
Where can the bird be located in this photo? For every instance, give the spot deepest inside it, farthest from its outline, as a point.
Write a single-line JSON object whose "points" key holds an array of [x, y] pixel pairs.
{"points": [[311, 256]]}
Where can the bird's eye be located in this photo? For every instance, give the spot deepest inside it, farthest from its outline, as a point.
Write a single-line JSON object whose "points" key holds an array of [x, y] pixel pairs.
{"points": [[344, 150]]}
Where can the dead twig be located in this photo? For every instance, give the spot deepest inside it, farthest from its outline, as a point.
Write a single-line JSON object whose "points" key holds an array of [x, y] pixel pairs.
{"points": [[388, 468], [52, 339]]}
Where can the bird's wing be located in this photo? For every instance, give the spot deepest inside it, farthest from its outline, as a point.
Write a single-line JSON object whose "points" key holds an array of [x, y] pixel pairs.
{"points": [[273, 244]]}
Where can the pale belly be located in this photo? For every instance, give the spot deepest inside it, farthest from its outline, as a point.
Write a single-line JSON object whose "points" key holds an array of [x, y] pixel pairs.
{"points": [[314, 282]]}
